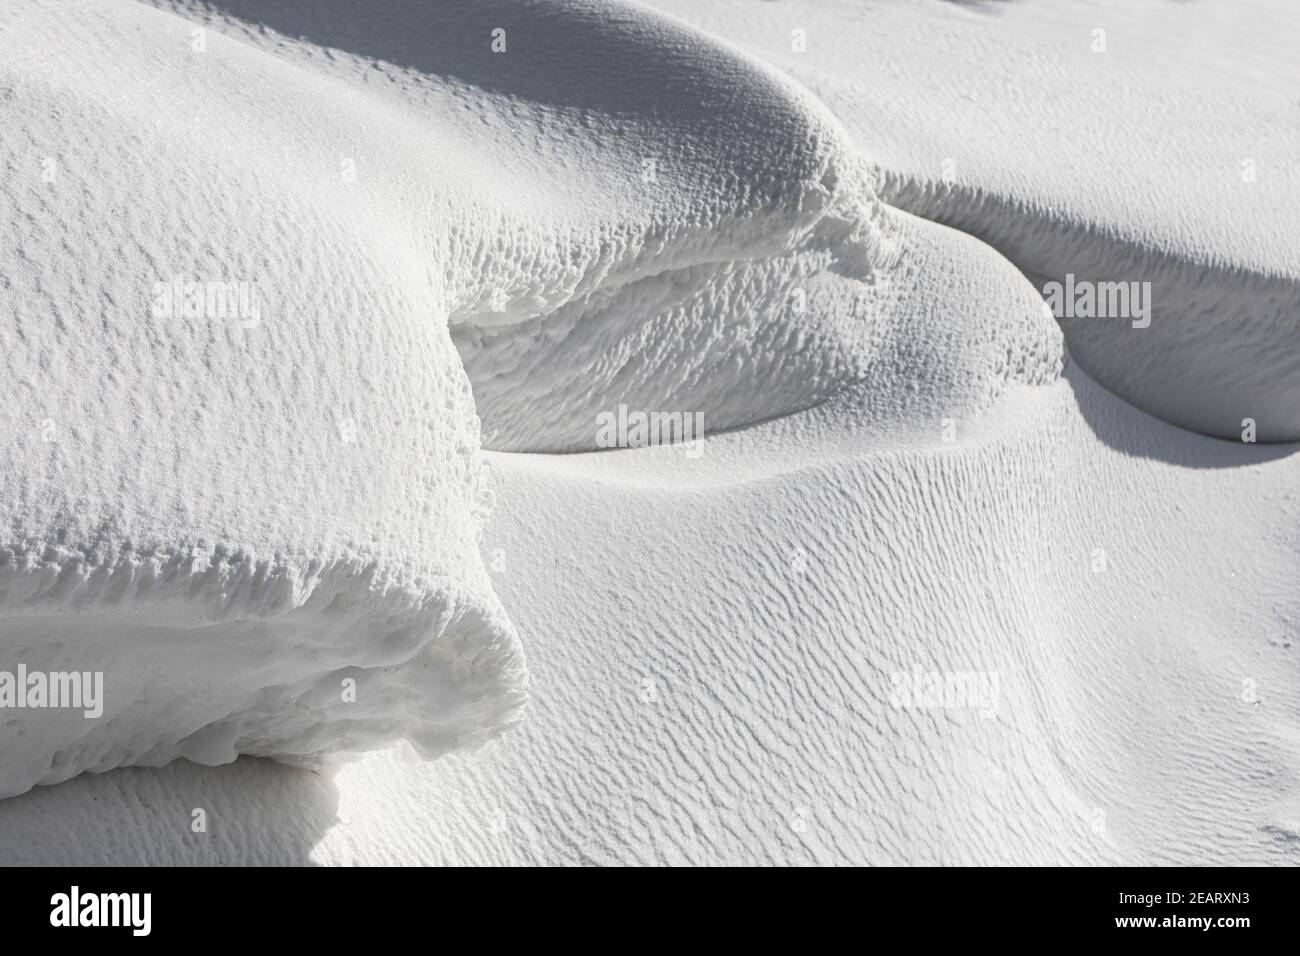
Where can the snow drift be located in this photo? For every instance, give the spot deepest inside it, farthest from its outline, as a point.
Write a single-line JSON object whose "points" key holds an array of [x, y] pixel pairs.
{"points": [[1111, 141], [240, 456], [624, 210], [262, 251], [244, 454]]}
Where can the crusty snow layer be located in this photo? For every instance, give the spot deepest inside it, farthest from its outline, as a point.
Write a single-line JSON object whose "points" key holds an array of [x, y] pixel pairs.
{"points": [[623, 209], [1116, 141], [290, 471], [716, 639], [630, 212], [230, 512]]}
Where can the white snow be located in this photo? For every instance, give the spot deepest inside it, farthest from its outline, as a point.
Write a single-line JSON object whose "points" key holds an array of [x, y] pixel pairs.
{"points": [[905, 476], [229, 514], [1113, 140]]}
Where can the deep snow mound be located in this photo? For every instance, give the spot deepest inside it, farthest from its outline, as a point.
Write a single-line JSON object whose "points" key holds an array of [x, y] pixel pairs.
{"points": [[1139, 146], [241, 468], [1207, 345], [244, 450], [623, 211]]}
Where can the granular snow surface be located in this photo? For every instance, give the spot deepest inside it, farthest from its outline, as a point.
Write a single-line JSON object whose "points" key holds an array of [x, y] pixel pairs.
{"points": [[317, 316]]}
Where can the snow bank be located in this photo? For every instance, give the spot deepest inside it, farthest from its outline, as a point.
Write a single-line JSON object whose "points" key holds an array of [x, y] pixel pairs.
{"points": [[1213, 347], [1108, 141], [244, 451], [633, 213], [231, 518], [239, 454]]}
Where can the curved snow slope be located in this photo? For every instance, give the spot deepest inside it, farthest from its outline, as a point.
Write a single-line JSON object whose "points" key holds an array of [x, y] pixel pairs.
{"points": [[636, 214], [1218, 347], [230, 514], [1112, 140], [764, 595], [1128, 585], [1146, 710]]}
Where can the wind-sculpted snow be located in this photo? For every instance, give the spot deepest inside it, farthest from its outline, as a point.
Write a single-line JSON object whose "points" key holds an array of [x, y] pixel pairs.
{"points": [[1114, 143], [275, 274], [239, 459], [1207, 345], [243, 453], [652, 219]]}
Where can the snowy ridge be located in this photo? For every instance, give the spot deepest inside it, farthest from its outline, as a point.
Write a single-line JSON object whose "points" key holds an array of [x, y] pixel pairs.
{"points": [[210, 585], [722, 250], [280, 535], [210, 656], [1115, 141], [243, 472], [1220, 344]]}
